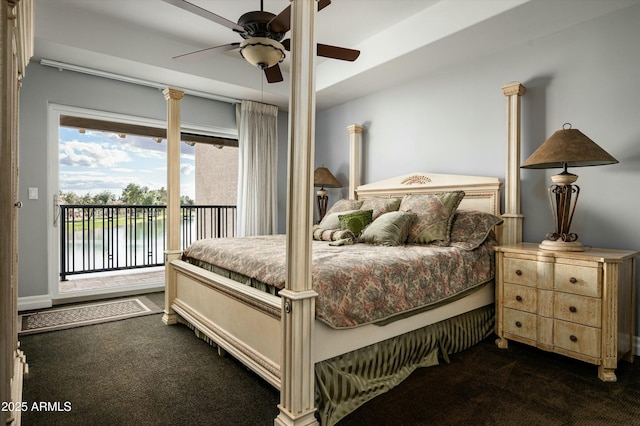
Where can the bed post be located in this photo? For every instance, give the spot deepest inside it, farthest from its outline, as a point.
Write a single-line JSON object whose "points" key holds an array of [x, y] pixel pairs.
{"points": [[297, 392], [172, 223], [512, 228], [355, 138]]}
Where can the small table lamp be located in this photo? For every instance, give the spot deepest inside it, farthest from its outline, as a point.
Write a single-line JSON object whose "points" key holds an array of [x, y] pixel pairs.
{"points": [[566, 147], [322, 177]]}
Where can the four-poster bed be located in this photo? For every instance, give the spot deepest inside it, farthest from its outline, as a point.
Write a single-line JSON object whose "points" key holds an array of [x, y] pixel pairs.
{"points": [[250, 324], [278, 337]]}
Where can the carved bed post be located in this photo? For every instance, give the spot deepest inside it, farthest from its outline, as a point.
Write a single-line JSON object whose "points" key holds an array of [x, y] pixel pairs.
{"points": [[297, 393], [512, 228], [172, 224], [355, 141]]}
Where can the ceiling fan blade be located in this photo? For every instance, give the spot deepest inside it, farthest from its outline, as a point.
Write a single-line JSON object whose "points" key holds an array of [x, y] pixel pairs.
{"points": [[329, 51], [322, 4], [204, 53], [273, 74], [190, 7], [336, 52], [281, 23]]}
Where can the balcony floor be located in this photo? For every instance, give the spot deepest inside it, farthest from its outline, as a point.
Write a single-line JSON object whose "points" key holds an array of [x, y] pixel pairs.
{"points": [[115, 279]]}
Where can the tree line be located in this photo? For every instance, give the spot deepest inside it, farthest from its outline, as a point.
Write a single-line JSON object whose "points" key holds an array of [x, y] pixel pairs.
{"points": [[132, 194]]}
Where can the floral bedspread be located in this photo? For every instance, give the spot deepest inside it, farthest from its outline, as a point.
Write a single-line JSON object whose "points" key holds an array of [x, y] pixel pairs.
{"points": [[360, 283]]}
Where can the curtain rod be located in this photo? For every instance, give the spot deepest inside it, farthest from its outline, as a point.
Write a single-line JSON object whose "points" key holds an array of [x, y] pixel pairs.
{"points": [[132, 80]]}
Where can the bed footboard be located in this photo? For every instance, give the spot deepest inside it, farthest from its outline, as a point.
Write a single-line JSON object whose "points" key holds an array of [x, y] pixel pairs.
{"points": [[243, 321]]}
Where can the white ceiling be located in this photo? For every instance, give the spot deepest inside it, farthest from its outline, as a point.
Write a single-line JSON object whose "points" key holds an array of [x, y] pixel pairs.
{"points": [[399, 40]]}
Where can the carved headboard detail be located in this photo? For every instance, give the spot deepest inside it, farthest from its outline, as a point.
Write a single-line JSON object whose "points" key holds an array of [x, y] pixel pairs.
{"points": [[416, 179]]}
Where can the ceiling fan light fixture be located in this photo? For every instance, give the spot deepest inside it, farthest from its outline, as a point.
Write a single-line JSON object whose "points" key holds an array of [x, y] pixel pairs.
{"points": [[262, 52]]}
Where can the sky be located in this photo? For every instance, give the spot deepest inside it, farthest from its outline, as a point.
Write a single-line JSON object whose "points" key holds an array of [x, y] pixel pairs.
{"points": [[97, 161]]}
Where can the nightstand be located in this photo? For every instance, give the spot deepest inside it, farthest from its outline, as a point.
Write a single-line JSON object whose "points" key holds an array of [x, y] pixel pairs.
{"points": [[578, 304]]}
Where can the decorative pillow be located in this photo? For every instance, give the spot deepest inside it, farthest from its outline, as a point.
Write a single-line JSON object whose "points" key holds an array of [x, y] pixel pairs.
{"points": [[332, 234], [332, 221], [356, 221], [381, 205], [390, 229], [344, 205], [470, 228], [434, 216]]}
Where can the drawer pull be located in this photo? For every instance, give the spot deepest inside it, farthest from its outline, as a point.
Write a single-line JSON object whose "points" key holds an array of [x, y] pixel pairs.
{"points": [[518, 272], [573, 338], [519, 298], [518, 324], [573, 280], [573, 309]]}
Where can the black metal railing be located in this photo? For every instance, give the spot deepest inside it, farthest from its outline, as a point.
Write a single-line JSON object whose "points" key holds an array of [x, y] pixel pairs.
{"points": [[99, 238]]}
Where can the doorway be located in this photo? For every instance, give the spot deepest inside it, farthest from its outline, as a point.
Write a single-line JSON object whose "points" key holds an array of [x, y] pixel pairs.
{"points": [[108, 197]]}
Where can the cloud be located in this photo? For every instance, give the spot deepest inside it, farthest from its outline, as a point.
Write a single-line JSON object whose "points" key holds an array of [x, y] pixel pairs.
{"points": [[187, 169], [91, 154], [87, 181], [97, 161]]}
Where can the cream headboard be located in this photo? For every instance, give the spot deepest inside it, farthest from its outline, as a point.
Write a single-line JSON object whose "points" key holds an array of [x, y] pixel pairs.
{"points": [[481, 193]]}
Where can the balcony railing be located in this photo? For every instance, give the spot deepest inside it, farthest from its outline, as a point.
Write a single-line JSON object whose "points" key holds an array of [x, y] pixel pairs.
{"points": [[99, 238]]}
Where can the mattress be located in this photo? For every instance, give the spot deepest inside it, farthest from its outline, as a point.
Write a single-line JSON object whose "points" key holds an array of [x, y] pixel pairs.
{"points": [[356, 284]]}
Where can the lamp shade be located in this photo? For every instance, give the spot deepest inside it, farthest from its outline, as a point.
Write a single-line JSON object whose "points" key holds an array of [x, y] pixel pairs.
{"points": [[262, 52], [322, 177], [568, 147]]}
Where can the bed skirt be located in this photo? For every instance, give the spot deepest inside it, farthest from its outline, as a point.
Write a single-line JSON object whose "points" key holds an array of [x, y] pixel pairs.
{"points": [[345, 382]]}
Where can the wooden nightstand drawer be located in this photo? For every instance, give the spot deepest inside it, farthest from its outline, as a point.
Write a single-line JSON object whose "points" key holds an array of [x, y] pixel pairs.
{"points": [[578, 304], [577, 280], [520, 297], [520, 323], [578, 309], [519, 271], [577, 338]]}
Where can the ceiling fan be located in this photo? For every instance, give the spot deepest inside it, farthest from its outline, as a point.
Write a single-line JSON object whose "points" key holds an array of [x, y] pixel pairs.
{"points": [[263, 33]]}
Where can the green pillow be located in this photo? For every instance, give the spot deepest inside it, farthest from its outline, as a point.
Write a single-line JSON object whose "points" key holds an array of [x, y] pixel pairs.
{"points": [[390, 229], [332, 220], [356, 221]]}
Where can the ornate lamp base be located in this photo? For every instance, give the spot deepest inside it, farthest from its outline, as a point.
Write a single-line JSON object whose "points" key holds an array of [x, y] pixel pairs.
{"points": [[560, 245], [322, 200], [563, 197]]}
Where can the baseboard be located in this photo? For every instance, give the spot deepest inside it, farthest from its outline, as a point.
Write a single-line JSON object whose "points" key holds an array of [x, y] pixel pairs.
{"points": [[44, 301], [30, 303]]}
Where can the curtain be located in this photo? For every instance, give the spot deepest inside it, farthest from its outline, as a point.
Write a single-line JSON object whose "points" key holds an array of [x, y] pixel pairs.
{"points": [[257, 169]]}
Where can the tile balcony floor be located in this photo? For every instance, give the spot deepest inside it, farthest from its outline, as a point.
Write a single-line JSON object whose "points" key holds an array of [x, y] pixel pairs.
{"points": [[114, 279]]}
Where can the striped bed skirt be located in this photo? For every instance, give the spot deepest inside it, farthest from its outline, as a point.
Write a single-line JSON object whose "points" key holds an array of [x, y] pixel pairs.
{"points": [[345, 382]]}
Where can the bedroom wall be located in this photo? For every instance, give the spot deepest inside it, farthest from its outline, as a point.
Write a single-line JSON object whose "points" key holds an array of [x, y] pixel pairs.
{"points": [[44, 85], [453, 121]]}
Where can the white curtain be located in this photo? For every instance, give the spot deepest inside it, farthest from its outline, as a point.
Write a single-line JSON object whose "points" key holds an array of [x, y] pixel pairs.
{"points": [[257, 168]]}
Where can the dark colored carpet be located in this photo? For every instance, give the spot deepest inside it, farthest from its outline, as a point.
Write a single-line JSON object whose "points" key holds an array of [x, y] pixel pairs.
{"points": [[140, 372]]}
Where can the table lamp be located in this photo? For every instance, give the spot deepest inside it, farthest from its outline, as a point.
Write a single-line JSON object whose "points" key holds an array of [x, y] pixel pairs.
{"points": [[322, 177], [565, 148]]}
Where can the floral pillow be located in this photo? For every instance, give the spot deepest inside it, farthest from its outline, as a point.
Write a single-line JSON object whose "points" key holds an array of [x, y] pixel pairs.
{"points": [[381, 205], [356, 221], [344, 205], [390, 229], [434, 214], [470, 228]]}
